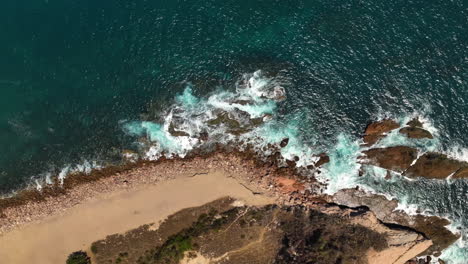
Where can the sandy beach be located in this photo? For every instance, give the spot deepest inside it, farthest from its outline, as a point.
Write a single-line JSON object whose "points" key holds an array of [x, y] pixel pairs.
{"points": [[53, 238], [49, 230]]}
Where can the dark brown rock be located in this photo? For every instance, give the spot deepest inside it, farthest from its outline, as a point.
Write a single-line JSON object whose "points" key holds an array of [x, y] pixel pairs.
{"points": [[393, 158], [324, 159], [370, 140], [436, 166], [416, 132], [203, 136], [177, 133], [388, 176], [284, 142], [432, 227], [461, 173], [375, 131], [414, 123], [381, 127], [435, 229]]}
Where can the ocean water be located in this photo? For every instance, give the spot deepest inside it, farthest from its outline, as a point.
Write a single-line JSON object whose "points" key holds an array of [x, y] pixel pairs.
{"points": [[80, 81]]}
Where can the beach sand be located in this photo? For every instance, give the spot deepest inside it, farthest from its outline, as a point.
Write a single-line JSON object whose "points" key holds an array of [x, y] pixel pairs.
{"points": [[54, 237]]}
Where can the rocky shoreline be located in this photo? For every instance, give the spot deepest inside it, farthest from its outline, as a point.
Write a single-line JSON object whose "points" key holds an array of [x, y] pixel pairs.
{"points": [[273, 177]]}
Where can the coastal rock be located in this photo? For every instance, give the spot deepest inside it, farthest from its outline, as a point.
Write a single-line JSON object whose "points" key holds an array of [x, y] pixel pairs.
{"points": [[416, 132], [177, 133], [376, 130], [236, 121], [224, 118], [437, 166], [278, 94], [415, 123], [129, 155], [324, 159], [434, 228], [402, 244], [381, 127], [287, 185], [284, 142], [461, 173], [393, 158]]}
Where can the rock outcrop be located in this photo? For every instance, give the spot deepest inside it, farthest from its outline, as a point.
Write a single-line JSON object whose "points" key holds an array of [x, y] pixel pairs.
{"points": [[377, 130], [397, 158], [434, 228], [416, 132], [415, 123], [404, 159], [437, 166], [225, 231], [323, 159], [414, 129]]}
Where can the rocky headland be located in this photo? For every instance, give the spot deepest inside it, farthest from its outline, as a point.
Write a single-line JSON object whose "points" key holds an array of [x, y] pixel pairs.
{"points": [[298, 224]]}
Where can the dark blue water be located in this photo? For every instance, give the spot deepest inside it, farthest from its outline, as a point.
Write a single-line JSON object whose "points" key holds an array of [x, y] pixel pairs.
{"points": [[71, 72]]}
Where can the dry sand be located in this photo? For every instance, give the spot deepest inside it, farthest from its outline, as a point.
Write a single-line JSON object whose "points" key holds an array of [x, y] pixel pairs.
{"points": [[50, 240]]}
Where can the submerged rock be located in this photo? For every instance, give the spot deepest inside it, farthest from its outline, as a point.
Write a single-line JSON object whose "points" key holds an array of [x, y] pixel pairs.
{"points": [[437, 166], [237, 121], [176, 133], [397, 158]]}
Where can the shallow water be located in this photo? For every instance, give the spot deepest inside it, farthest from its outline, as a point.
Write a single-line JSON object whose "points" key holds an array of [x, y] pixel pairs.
{"points": [[80, 81]]}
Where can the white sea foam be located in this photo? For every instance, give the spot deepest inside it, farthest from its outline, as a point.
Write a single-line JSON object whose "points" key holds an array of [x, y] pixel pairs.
{"points": [[38, 185], [256, 96], [342, 171], [83, 167], [455, 254], [405, 206], [458, 152], [63, 173]]}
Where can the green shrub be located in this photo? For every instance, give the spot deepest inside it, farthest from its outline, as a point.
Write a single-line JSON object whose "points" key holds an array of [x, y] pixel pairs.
{"points": [[79, 257]]}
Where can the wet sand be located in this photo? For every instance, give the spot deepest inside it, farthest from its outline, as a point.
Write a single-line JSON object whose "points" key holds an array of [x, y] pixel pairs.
{"points": [[51, 239]]}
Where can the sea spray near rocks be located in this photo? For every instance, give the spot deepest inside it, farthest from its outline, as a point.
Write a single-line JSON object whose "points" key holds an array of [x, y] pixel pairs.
{"points": [[226, 117], [343, 170], [248, 117], [223, 116]]}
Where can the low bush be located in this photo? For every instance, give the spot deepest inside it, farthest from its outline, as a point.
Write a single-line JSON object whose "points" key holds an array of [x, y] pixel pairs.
{"points": [[79, 257]]}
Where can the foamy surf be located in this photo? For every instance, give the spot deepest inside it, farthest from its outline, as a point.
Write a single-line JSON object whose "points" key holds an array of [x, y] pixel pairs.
{"points": [[246, 116]]}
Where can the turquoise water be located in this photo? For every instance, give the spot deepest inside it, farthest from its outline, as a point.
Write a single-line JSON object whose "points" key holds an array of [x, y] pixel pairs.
{"points": [[82, 80]]}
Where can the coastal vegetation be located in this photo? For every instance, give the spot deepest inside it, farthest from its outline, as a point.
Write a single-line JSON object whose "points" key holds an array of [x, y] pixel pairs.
{"points": [[79, 257]]}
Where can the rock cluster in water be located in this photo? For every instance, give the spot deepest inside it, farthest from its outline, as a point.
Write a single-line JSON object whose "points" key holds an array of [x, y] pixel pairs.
{"points": [[410, 161]]}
